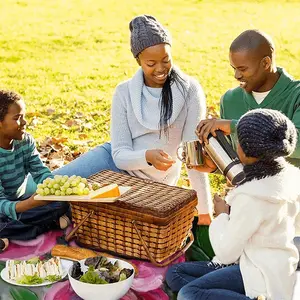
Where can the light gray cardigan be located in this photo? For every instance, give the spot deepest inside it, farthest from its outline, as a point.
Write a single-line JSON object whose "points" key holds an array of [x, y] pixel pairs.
{"points": [[133, 133]]}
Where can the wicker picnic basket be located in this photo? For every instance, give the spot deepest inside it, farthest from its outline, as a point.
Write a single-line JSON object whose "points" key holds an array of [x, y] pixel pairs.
{"points": [[151, 221]]}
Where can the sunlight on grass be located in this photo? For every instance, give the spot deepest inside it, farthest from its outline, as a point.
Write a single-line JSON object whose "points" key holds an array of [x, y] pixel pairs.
{"points": [[70, 55]]}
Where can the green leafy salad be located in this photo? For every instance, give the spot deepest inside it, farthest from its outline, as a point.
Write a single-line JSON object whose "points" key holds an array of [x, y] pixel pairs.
{"points": [[34, 271], [100, 271]]}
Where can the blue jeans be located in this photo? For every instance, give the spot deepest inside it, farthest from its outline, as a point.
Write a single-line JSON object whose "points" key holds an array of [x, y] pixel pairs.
{"points": [[207, 281], [94, 161], [33, 222]]}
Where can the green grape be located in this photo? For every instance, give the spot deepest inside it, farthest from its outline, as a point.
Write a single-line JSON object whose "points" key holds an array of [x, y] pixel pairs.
{"points": [[74, 183], [69, 191], [40, 186], [72, 177], [86, 191], [79, 192], [47, 180], [52, 191], [57, 193], [46, 191], [84, 180], [40, 191], [63, 188], [81, 185], [62, 193], [50, 185], [67, 184], [75, 190], [95, 186], [57, 178], [56, 186]]}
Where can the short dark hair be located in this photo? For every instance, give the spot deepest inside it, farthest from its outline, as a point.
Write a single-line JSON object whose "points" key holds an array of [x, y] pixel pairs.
{"points": [[7, 98], [253, 40]]}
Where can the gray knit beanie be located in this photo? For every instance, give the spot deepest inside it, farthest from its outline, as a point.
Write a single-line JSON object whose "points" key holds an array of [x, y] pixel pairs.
{"points": [[266, 133], [146, 31]]}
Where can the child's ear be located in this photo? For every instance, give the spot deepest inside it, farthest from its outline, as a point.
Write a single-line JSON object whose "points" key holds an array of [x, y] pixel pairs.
{"points": [[138, 61]]}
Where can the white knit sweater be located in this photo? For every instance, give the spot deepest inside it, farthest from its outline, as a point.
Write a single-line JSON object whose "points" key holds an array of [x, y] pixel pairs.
{"points": [[264, 218], [133, 133]]}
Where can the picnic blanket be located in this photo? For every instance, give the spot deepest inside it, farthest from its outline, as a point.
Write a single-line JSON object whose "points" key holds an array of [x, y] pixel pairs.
{"points": [[146, 286]]}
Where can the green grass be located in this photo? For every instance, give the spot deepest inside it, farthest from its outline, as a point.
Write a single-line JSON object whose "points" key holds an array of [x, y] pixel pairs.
{"points": [[70, 54]]}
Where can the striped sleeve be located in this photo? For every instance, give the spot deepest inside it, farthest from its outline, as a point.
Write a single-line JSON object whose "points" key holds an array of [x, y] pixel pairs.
{"points": [[37, 169], [7, 207]]}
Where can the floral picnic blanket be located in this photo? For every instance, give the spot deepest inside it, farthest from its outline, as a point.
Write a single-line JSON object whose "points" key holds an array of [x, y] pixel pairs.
{"points": [[146, 286]]}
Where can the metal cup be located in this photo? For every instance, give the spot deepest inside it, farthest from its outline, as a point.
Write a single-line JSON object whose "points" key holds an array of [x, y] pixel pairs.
{"points": [[193, 153]]}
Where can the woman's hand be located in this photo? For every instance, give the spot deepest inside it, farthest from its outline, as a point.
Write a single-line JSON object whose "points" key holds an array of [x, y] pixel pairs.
{"points": [[159, 159], [220, 205], [208, 164], [205, 127]]}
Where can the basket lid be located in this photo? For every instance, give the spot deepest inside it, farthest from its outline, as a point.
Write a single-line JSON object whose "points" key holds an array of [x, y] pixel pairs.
{"points": [[146, 196]]}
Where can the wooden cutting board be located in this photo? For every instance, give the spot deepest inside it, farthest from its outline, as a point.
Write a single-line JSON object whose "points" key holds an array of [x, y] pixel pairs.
{"points": [[86, 198]]}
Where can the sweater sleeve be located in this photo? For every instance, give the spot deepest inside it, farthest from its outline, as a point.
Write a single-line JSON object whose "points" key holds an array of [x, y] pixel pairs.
{"points": [[37, 169], [7, 207], [296, 121], [123, 154], [196, 111], [229, 234]]}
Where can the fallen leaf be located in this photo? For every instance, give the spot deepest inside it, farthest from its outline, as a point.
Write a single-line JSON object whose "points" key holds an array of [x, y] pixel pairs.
{"points": [[50, 111], [79, 115], [83, 136]]}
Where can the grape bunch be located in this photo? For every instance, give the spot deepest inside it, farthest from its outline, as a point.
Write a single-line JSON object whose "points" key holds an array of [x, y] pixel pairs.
{"points": [[63, 186]]}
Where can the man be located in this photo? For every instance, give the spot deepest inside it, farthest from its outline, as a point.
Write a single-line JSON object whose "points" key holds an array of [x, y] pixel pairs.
{"points": [[262, 85]]}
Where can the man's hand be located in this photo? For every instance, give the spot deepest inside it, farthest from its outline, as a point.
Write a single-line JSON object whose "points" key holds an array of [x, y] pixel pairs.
{"points": [[159, 159], [205, 127], [220, 205]]}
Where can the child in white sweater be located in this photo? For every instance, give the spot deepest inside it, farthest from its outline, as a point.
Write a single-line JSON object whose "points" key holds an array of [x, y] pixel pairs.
{"points": [[256, 238]]}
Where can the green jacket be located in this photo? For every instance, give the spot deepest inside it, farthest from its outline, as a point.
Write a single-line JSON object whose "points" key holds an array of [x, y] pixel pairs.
{"points": [[284, 96]]}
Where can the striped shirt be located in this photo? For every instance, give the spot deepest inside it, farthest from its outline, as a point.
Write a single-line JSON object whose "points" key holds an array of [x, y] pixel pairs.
{"points": [[15, 165]]}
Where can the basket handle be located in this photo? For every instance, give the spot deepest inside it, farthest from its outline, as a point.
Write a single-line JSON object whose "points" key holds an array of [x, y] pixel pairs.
{"points": [[74, 230], [169, 259]]}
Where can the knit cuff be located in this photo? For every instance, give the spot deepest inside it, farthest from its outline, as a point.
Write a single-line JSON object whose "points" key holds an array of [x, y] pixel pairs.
{"points": [[233, 126], [12, 210]]}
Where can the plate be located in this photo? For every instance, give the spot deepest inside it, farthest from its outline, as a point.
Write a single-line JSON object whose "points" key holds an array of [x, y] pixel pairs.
{"points": [[123, 190], [65, 266]]}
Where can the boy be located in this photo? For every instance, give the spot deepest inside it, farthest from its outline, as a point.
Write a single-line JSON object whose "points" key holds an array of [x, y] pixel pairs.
{"points": [[22, 217]]}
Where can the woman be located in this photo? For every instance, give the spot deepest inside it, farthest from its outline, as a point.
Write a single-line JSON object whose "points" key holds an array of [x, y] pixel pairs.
{"points": [[152, 114], [255, 240]]}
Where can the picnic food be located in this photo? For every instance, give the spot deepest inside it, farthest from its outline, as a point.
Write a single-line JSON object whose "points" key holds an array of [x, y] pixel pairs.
{"points": [[111, 190], [76, 253], [34, 270], [73, 253], [63, 185], [75, 185], [100, 271]]}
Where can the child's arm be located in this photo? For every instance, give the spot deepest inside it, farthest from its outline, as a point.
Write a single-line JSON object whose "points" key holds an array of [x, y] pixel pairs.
{"points": [[11, 208], [37, 169], [230, 234]]}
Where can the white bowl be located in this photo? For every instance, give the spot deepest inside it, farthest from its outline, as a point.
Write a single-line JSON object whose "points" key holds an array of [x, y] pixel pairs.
{"points": [[110, 291]]}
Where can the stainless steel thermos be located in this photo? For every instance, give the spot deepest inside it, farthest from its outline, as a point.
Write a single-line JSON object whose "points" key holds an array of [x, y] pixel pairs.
{"points": [[226, 159]]}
